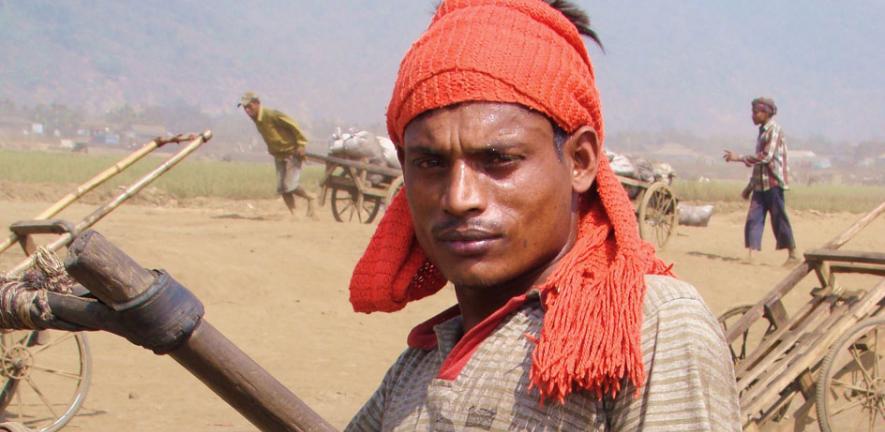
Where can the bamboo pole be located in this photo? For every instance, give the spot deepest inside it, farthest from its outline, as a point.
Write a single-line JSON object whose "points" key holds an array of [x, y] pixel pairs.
{"points": [[99, 213], [799, 272], [90, 185], [115, 279]]}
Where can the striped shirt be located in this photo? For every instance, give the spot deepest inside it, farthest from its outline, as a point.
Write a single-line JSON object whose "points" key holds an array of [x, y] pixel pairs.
{"points": [[770, 160], [689, 386]]}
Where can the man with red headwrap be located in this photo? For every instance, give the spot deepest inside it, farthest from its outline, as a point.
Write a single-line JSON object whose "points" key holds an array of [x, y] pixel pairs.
{"points": [[565, 319]]}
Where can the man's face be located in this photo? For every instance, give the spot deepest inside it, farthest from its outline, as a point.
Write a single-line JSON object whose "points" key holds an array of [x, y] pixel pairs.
{"points": [[760, 115], [490, 197], [252, 108]]}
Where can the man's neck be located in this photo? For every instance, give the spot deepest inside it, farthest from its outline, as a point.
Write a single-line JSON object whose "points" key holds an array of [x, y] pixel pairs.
{"points": [[478, 302]]}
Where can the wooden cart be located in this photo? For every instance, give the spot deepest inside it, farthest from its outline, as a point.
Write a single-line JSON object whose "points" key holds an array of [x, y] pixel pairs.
{"points": [[45, 375], [358, 191], [831, 351], [655, 205]]}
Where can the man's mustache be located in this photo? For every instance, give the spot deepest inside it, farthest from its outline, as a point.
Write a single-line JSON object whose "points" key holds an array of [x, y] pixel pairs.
{"points": [[458, 227]]}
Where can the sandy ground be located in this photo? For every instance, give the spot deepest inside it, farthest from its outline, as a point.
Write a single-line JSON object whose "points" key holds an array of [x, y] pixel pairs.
{"points": [[278, 289]]}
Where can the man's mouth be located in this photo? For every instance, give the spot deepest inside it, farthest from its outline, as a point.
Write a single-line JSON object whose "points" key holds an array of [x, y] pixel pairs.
{"points": [[467, 242]]}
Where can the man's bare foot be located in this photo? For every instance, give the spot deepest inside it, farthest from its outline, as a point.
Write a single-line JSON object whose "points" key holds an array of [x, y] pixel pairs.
{"points": [[311, 209], [791, 262]]}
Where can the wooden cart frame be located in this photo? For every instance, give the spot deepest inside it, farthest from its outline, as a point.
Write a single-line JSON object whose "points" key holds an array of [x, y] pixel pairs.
{"points": [[357, 191], [55, 367], [828, 351], [655, 210]]}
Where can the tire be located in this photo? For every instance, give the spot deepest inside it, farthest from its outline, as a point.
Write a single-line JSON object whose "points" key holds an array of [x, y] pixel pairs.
{"points": [[853, 372], [345, 206], [657, 214], [47, 376], [750, 338]]}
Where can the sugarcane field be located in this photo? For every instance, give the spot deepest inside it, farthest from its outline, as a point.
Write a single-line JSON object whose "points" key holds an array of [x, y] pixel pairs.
{"points": [[441, 215]]}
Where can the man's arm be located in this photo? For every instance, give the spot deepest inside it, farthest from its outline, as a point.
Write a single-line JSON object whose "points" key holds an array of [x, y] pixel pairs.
{"points": [[288, 124], [767, 152], [690, 381], [370, 417]]}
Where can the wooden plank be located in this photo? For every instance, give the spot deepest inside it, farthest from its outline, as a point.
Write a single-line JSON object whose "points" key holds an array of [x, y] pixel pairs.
{"points": [[819, 318], [633, 182], [819, 255], [766, 345], [809, 355], [779, 290], [871, 269], [777, 314], [806, 384], [799, 272], [375, 169], [29, 227]]}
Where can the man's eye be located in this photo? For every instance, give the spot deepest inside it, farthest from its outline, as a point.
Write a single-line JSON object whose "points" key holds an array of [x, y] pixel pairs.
{"points": [[427, 162], [496, 158]]}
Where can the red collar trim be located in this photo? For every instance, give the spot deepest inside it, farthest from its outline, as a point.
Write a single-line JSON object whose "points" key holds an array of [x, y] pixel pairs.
{"points": [[423, 336]]}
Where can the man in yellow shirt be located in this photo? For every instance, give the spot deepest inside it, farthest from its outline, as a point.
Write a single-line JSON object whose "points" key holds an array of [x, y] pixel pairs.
{"points": [[287, 144]]}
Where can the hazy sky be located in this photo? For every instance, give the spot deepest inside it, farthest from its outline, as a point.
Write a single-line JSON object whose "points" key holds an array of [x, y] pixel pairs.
{"points": [[687, 65]]}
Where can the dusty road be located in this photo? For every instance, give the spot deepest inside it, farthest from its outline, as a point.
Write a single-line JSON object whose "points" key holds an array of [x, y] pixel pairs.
{"points": [[278, 288]]}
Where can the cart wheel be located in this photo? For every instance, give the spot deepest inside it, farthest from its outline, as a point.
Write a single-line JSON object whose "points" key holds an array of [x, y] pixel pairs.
{"points": [[751, 338], [851, 387], [348, 203], [395, 186], [45, 376], [657, 214]]}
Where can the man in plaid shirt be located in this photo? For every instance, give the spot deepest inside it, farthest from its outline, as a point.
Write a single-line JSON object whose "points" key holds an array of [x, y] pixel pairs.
{"points": [[767, 183]]}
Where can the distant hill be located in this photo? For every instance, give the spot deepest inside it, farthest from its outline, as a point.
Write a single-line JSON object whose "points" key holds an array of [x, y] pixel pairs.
{"points": [[691, 66]]}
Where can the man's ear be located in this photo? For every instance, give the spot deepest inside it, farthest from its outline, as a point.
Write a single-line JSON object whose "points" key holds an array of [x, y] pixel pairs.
{"points": [[581, 153]]}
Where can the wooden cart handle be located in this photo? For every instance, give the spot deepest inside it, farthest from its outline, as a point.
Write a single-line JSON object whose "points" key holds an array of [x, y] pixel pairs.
{"points": [[115, 279]]}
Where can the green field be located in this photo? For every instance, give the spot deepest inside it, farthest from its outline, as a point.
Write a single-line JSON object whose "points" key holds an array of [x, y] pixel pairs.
{"points": [[190, 179], [252, 180], [821, 197]]}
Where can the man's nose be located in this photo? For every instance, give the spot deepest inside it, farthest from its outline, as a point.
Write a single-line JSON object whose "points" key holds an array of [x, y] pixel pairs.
{"points": [[464, 193]]}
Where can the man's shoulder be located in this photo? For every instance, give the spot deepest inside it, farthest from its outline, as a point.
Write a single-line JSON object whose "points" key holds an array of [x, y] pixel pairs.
{"points": [[273, 113], [664, 291], [772, 126]]}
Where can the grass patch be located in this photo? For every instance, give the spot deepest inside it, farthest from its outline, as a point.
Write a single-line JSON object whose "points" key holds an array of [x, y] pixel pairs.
{"points": [[821, 197], [189, 179]]}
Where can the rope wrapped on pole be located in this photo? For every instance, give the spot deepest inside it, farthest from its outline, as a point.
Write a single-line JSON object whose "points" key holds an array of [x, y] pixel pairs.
{"points": [[24, 301], [194, 142], [151, 310]]}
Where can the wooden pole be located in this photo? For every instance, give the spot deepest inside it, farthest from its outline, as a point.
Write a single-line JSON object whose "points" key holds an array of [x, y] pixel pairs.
{"points": [[88, 186], [103, 211], [114, 278], [799, 272]]}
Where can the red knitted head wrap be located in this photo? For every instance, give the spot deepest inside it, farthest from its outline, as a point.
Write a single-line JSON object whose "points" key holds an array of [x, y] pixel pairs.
{"points": [[528, 53]]}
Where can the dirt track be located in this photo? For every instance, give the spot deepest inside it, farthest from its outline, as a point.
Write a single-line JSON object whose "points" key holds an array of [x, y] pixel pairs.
{"points": [[278, 289]]}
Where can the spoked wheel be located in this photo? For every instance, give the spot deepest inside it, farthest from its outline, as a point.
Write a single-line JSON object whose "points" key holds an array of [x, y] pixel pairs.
{"points": [[45, 377], [393, 189], [751, 338], [348, 204], [851, 387], [657, 214]]}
